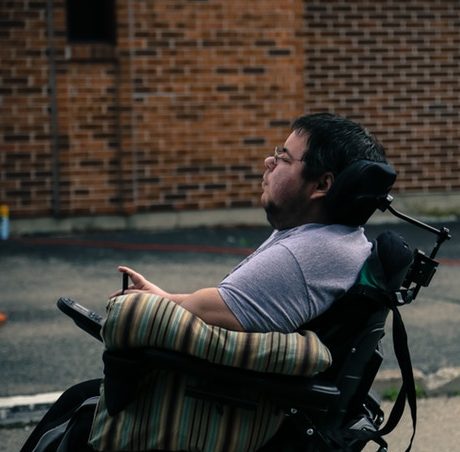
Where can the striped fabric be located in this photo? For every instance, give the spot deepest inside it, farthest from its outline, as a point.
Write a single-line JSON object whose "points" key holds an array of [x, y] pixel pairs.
{"points": [[162, 416]]}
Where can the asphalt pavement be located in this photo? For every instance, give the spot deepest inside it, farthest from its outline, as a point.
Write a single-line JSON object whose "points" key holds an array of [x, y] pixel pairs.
{"points": [[43, 352]]}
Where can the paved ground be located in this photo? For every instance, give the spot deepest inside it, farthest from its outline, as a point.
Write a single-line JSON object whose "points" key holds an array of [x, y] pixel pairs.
{"points": [[437, 429], [42, 351]]}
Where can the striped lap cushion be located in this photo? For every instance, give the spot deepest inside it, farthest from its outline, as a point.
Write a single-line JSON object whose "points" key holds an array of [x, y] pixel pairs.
{"points": [[162, 416]]}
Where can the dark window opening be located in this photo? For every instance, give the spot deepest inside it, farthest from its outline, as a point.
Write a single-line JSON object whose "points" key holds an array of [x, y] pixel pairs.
{"points": [[91, 21]]}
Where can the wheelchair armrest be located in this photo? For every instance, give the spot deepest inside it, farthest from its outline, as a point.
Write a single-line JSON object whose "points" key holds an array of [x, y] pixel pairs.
{"points": [[219, 382]]}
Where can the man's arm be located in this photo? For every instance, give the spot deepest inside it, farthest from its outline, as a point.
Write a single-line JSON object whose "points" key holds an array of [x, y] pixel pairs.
{"points": [[210, 307], [204, 303]]}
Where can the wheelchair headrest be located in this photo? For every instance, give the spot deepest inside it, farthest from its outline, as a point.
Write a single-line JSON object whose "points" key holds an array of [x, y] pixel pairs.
{"points": [[358, 191]]}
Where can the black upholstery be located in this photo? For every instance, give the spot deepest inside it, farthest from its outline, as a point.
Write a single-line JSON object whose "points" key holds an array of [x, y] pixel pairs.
{"points": [[358, 191]]}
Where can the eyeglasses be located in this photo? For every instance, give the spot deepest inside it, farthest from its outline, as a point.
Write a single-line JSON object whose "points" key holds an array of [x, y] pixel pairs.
{"points": [[281, 153]]}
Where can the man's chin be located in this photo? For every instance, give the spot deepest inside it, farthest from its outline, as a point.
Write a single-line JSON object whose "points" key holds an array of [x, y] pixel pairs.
{"points": [[271, 212]]}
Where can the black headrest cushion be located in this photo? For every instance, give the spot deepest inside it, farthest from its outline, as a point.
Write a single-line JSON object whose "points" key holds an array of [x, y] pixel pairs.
{"points": [[358, 191]]}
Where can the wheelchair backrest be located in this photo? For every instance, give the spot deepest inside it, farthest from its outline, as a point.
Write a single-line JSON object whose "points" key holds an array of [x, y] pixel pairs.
{"points": [[353, 327]]}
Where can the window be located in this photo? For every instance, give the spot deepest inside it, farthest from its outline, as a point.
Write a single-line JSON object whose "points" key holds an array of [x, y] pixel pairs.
{"points": [[91, 21]]}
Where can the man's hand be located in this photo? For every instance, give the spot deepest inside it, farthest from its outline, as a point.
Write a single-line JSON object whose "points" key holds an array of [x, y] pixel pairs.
{"points": [[204, 303], [139, 284]]}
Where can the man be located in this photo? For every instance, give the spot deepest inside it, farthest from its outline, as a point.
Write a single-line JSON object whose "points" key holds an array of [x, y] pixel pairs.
{"points": [[308, 261], [297, 273]]}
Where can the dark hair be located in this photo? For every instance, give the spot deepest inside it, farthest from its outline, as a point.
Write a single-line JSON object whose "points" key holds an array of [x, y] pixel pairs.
{"points": [[334, 142]]}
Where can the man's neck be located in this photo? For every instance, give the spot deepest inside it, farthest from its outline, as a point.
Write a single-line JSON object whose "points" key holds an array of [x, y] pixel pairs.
{"points": [[293, 222]]}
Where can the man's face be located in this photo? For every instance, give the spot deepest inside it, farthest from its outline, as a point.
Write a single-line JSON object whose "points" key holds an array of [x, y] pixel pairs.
{"points": [[286, 194]]}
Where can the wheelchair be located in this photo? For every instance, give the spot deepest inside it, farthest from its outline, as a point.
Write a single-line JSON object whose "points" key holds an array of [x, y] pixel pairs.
{"points": [[335, 410]]}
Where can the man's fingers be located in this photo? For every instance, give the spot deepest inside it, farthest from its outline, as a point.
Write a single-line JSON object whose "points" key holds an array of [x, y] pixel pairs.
{"points": [[136, 278], [127, 270], [131, 289]]}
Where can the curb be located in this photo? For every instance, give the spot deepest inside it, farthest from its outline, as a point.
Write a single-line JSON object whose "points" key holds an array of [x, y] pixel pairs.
{"points": [[25, 410], [444, 382]]}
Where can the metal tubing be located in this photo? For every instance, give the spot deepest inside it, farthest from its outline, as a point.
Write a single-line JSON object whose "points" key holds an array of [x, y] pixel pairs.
{"points": [[438, 232]]}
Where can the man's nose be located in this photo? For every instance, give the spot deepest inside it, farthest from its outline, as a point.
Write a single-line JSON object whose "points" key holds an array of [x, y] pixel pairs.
{"points": [[269, 162]]}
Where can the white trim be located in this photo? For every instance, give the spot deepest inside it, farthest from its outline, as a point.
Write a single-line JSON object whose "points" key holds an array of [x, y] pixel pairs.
{"points": [[30, 400]]}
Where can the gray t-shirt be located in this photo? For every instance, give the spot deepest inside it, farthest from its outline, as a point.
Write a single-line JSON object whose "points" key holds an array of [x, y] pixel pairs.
{"points": [[294, 276]]}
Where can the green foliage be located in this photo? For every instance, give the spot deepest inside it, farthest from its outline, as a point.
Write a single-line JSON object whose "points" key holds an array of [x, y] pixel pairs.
{"points": [[392, 393]]}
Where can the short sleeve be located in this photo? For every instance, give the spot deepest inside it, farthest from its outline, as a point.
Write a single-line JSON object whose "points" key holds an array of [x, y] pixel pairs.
{"points": [[268, 292]]}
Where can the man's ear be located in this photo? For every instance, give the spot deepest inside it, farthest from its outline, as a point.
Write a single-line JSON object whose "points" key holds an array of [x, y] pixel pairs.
{"points": [[323, 185]]}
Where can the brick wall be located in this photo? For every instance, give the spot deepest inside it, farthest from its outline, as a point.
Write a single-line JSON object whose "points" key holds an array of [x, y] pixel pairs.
{"points": [[206, 98], [89, 150], [394, 66], [25, 163], [181, 111]]}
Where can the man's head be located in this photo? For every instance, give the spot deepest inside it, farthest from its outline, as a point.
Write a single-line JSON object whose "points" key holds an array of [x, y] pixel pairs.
{"points": [[333, 143], [301, 173]]}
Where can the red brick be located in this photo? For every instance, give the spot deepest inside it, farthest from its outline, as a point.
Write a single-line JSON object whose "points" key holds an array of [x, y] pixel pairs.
{"points": [[180, 113]]}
